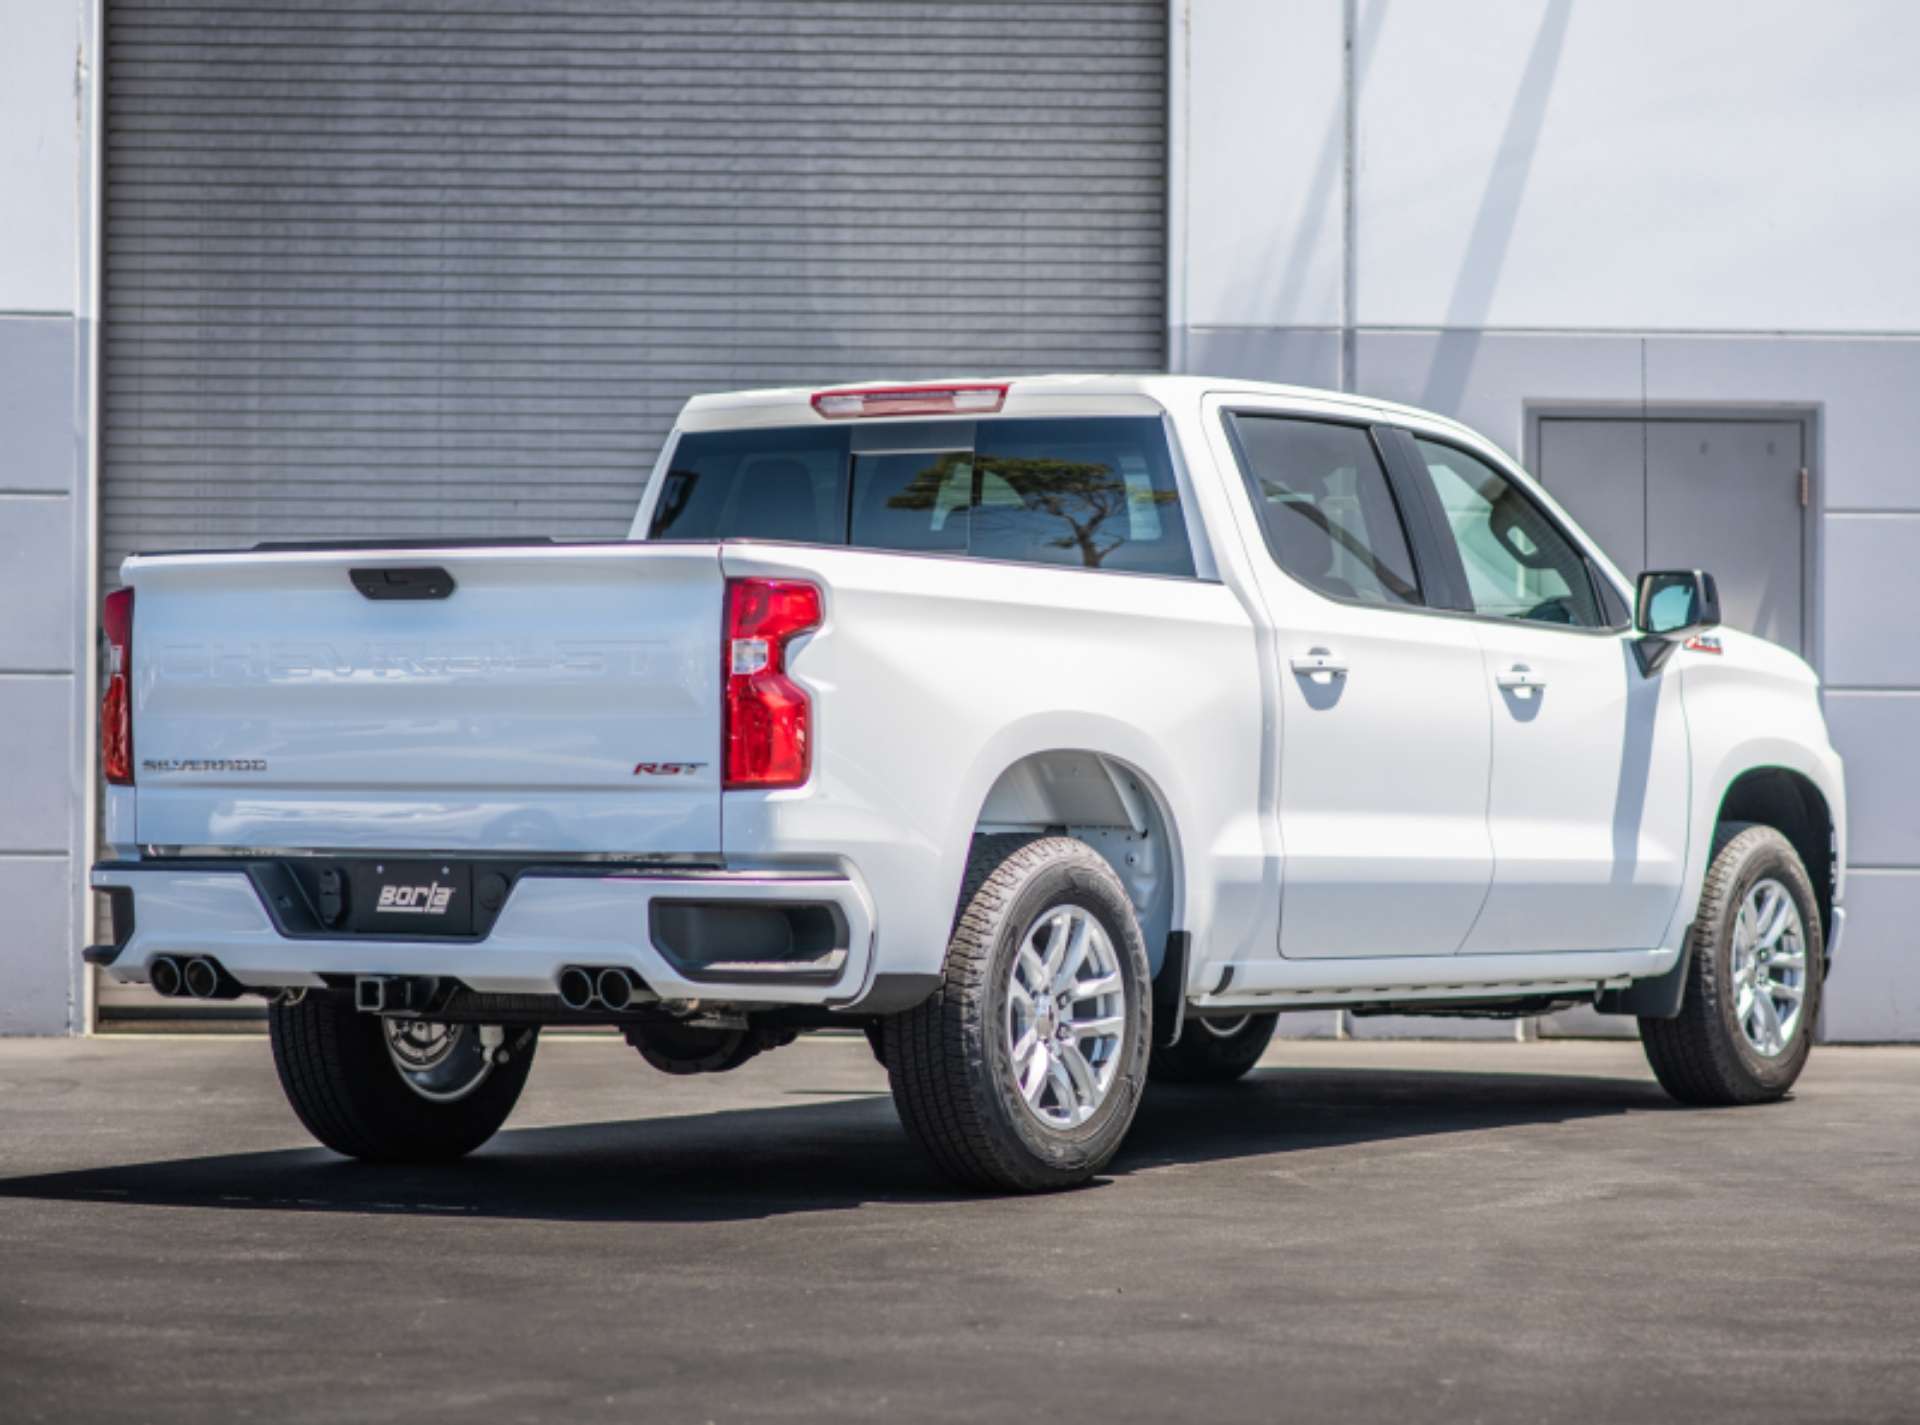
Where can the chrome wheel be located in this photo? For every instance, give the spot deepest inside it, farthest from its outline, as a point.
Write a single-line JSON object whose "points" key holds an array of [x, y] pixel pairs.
{"points": [[443, 1063], [1066, 1016], [1769, 968]]}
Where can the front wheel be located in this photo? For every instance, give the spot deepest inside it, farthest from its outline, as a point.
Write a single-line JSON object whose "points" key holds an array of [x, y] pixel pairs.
{"points": [[392, 1090], [1022, 1073], [1745, 1027]]}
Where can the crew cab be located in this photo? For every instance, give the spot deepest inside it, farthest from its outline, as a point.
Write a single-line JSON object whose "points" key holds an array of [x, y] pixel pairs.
{"points": [[1059, 732]]}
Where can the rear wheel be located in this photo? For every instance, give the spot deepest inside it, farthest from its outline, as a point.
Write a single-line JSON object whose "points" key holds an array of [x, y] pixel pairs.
{"points": [[396, 1090], [1213, 1051], [1022, 1073], [1745, 1027]]}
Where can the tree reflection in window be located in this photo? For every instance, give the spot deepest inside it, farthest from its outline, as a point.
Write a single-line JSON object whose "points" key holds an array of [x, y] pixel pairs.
{"points": [[1044, 510]]}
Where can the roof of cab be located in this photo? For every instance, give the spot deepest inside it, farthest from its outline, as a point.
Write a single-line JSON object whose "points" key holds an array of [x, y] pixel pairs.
{"points": [[756, 406]]}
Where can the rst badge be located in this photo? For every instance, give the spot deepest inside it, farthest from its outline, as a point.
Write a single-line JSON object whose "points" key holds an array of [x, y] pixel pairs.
{"points": [[666, 769]]}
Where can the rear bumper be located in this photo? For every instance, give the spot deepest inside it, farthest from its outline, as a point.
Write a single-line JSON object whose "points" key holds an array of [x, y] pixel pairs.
{"points": [[548, 923]]}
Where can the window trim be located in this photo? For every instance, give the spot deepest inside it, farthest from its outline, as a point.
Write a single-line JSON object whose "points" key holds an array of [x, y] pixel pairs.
{"points": [[1424, 569], [1403, 444]]}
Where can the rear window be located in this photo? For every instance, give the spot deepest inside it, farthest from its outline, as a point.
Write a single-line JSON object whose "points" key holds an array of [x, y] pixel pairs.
{"points": [[1085, 493]]}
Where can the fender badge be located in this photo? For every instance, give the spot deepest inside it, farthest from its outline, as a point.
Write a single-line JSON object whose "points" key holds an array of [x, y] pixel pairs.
{"points": [[1703, 643]]}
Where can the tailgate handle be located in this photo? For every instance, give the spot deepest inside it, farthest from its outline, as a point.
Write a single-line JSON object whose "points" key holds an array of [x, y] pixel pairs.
{"points": [[413, 582]]}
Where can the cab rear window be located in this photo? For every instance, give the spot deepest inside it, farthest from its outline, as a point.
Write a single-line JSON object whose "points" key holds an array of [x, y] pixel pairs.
{"points": [[1092, 493]]}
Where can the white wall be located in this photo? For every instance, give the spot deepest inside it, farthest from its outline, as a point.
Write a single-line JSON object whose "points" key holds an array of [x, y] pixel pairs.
{"points": [[1634, 165], [40, 125], [1717, 165], [45, 511], [1265, 159]]}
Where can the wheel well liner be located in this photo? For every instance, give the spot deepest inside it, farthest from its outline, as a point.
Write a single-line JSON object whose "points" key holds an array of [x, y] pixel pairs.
{"points": [[1792, 805], [1113, 807]]}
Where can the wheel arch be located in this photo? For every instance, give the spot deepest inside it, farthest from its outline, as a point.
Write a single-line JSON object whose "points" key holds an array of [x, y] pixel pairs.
{"points": [[1791, 803], [1112, 805]]}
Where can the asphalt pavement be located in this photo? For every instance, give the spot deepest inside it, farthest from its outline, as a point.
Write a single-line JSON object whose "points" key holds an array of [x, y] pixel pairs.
{"points": [[1362, 1231]]}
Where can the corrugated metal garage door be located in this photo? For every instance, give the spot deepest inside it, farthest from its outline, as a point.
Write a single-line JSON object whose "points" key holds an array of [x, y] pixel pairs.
{"points": [[449, 269]]}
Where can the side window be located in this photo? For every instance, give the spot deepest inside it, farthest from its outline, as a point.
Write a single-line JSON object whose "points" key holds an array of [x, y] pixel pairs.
{"points": [[749, 484], [1518, 564], [1092, 493], [1326, 507]]}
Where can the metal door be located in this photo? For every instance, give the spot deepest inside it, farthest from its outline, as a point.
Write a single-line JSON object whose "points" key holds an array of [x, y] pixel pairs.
{"points": [[1717, 493]]}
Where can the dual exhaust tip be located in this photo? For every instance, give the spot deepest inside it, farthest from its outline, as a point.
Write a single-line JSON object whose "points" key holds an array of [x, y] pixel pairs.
{"points": [[200, 977], [583, 987]]}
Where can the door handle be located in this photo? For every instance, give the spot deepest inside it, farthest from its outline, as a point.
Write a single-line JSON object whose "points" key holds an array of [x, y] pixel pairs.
{"points": [[1520, 680], [1320, 665]]}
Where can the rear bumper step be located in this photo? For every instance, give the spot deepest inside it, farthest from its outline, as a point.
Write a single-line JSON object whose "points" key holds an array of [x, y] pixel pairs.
{"points": [[747, 937]]}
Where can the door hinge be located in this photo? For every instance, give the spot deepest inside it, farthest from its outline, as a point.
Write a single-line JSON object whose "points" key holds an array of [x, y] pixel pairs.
{"points": [[1806, 488]]}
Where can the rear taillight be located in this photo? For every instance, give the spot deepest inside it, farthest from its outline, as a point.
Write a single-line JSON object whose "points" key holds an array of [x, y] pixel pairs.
{"points": [[769, 731], [116, 703], [979, 398]]}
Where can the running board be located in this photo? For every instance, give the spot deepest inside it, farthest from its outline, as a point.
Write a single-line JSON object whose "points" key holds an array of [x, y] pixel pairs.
{"points": [[1287, 984]]}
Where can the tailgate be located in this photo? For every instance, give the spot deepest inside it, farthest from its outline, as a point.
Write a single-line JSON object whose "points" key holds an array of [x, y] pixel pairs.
{"points": [[559, 698]]}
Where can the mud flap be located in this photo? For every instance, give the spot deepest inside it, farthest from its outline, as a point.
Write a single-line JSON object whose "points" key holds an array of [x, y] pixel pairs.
{"points": [[1170, 992], [1656, 998]]}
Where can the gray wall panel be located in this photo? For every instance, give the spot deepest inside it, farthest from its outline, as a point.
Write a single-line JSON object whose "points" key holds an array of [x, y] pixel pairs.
{"points": [[1873, 992], [1298, 357], [37, 939], [37, 784], [42, 596], [1876, 734], [37, 420], [1872, 605], [450, 269]]}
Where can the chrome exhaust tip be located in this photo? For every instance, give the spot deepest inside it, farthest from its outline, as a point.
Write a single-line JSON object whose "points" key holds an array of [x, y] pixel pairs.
{"points": [[163, 975], [576, 988], [202, 978], [615, 987]]}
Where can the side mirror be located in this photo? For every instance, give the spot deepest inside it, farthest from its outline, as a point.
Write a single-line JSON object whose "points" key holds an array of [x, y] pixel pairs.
{"points": [[1670, 605]]}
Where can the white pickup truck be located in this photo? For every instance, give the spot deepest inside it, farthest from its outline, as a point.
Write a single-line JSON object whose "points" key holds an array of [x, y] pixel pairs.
{"points": [[1059, 732]]}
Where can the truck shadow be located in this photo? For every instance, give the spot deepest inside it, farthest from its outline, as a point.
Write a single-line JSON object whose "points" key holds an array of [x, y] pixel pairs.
{"points": [[750, 1163]]}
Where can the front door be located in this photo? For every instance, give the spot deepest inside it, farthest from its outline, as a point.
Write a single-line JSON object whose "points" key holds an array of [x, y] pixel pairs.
{"points": [[1721, 494], [1587, 803], [1383, 733]]}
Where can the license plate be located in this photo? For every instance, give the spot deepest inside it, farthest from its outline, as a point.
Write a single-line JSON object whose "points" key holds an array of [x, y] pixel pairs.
{"points": [[412, 898]]}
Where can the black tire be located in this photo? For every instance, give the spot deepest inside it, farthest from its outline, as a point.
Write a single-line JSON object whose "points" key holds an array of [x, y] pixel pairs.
{"points": [[1207, 1055], [1703, 1056], [947, 1058], [342, 1082]]}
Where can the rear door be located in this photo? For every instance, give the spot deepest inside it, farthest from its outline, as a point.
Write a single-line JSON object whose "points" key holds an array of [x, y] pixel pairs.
{"points": [[1383, 734], [552, 698]]}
